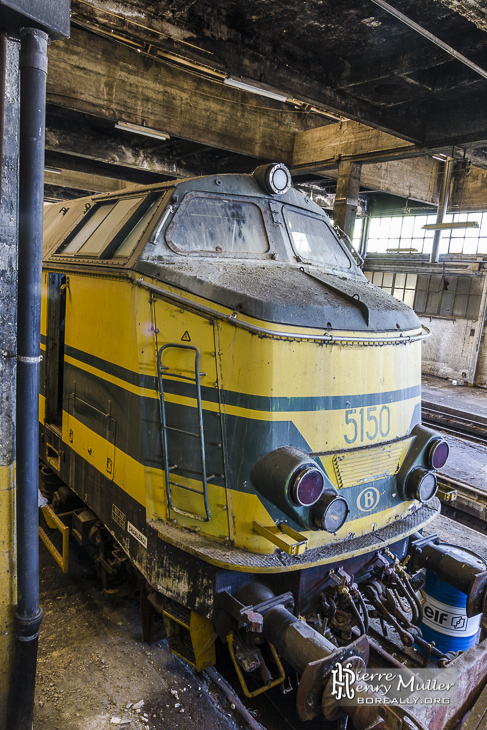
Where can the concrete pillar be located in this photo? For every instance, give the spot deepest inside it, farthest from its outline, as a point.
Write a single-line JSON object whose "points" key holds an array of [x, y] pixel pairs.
{"points": [[346, 201], [8, 352]]}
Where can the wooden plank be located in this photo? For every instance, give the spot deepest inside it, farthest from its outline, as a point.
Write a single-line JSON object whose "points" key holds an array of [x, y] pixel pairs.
{"points": [[91, 74]]}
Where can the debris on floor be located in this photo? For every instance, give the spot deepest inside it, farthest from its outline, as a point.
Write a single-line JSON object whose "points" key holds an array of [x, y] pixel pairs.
{"points": [[95, 672]]}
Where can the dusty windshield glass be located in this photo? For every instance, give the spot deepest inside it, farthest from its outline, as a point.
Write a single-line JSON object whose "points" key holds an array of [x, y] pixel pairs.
{"points": [[313, 240], [219, 226]]}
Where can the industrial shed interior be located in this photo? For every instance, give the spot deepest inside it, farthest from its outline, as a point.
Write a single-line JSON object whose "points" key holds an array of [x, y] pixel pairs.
{"points": [[243, 364]]}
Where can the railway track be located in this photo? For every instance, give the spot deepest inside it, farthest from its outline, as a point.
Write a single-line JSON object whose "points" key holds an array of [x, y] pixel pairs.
{"points": [[455, 422], [463, 503], [460, 501]]}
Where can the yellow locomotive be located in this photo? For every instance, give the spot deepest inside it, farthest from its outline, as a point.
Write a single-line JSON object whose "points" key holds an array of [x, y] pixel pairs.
{"points": [[239, 408]]}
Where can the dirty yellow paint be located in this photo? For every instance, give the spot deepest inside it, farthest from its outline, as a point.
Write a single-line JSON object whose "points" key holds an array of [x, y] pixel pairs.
{"points": [[8, 580]]}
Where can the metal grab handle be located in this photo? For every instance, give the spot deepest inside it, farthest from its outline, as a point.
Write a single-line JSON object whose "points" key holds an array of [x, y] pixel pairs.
{"points": [[200, 434]]}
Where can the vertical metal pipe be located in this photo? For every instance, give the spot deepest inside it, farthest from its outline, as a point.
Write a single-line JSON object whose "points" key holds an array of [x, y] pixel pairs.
{"points": [[33, 71], [442, 207], [364, 238], [3, 73], [9, 226]]}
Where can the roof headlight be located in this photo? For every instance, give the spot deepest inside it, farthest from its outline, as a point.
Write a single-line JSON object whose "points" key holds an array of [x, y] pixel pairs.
{"points": [[274, 178]]}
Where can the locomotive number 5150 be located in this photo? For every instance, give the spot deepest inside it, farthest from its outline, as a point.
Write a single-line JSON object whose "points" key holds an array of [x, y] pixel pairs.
{"points": [[367, 423]]}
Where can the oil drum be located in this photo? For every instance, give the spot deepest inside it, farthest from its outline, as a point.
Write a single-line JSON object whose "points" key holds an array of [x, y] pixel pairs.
{"points": [[445, 619]]}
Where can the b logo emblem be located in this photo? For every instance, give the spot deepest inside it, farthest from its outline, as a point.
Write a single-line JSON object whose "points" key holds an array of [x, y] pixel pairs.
{"points": [[368, 499]]}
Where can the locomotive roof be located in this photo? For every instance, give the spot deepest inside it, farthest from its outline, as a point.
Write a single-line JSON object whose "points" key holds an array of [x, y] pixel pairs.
{"points": [[60, 218], [262, 273]]}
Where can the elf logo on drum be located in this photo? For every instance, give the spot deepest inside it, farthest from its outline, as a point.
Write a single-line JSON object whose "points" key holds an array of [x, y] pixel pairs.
{"points": [[442, 618], [458, 622], [435, 615]]}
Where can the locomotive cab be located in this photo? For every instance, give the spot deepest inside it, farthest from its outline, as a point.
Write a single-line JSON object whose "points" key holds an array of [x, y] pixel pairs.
{"points": [[240, 408]]}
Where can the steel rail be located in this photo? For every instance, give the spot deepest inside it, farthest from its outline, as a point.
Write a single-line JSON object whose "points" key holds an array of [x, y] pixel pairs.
{"points": [[233, 318], [470, 429]]}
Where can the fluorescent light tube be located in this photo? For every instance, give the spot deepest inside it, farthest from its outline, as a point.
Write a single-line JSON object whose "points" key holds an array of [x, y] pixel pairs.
{"points": [[447, 226], [238, 84], [140, 129]]}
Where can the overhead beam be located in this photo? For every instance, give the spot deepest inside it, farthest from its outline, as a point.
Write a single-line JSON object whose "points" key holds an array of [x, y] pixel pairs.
{"points": [[156, 34], [91, 74], [93, 145], [469, 190], [320, 149], [84, 181], [419, 179], [416, 179]]}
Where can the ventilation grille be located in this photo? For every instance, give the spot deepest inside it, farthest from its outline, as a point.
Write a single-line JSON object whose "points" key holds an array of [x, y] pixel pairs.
{"points": [[367, 465]]}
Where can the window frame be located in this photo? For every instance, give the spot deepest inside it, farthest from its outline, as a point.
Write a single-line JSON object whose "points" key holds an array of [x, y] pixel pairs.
{"points": [[313, 261], [260, 204], [120, 231]]}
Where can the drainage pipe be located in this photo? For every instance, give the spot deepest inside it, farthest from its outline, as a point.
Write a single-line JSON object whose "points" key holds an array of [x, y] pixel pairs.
{"points": [[3, 73], [33, 71], [442, 207]]}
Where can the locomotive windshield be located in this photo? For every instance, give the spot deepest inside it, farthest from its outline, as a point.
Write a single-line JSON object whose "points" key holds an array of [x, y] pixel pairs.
{"points": [[312, 239], [216, 225]]}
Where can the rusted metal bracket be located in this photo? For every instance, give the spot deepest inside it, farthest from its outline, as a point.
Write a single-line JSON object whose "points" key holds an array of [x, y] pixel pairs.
{"points": [[54, 523], [243, 684], [245, 615]]}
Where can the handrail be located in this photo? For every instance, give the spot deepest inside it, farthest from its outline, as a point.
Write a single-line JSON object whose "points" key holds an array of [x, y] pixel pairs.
{"points": [[233, 318]]}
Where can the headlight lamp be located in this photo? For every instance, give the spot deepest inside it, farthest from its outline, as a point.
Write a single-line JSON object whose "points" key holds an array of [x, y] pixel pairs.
{"points": [[421, 484], [306, 486], [331, 512], [438, 453]]}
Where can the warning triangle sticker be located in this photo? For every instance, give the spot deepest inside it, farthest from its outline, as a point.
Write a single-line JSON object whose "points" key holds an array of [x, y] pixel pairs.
{"points": [[186, 337]]}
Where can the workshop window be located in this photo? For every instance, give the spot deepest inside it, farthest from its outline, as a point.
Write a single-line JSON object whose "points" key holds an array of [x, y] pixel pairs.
{"points": [[393, 234], [433, 294], [400, 285], [448, 296]]}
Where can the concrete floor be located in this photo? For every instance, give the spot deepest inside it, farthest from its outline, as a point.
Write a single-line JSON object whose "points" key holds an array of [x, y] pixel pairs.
{"points": [[468, 460], [458, 397], [92, 663]]}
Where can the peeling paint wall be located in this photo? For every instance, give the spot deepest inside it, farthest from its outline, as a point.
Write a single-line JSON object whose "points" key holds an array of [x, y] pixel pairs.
{"points": [[8, 350], [449, 351]]}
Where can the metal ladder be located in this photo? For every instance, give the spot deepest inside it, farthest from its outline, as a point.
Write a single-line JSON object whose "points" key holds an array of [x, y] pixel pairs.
{"points": [[200, 435]]}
